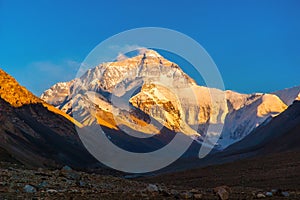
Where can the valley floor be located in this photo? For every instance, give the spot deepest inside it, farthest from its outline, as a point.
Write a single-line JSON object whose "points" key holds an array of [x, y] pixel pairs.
{"points": [[247, 179]]}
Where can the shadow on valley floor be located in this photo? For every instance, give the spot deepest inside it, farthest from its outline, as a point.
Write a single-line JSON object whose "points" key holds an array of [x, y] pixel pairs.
{"points": [[276, 171]]}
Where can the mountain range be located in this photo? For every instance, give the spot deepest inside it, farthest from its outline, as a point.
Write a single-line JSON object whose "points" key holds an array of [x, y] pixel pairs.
{"points": [[147, 91], [150, 98]]}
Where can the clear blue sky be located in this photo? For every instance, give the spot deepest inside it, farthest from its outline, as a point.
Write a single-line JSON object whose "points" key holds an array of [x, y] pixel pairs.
{"points": [[255, 44]]}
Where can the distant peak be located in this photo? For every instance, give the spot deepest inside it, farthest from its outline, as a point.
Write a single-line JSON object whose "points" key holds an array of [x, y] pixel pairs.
{"points": [[138, 54], [150, 53]]}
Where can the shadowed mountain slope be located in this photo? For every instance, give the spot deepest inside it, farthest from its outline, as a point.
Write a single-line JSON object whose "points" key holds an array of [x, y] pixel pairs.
{"points": [[34, 132]]}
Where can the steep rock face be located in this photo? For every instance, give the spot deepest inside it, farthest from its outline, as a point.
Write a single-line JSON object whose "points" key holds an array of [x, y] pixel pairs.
{"points": [[132, 91], [235, 100], [57, 94], [256, 110], [162, 104], [92, 108], [280, 134]]}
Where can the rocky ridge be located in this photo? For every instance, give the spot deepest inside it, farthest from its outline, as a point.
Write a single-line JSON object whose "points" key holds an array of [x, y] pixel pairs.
{"points": [[36, 133], [17, 96]]}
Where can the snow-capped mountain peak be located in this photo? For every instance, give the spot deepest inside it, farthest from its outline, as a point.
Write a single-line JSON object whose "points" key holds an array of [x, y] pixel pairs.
{"points": [[151, 53], [144, 82]]}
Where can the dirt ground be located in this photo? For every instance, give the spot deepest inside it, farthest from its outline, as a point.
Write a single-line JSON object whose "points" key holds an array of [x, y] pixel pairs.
{"points": [[245, 179]]}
